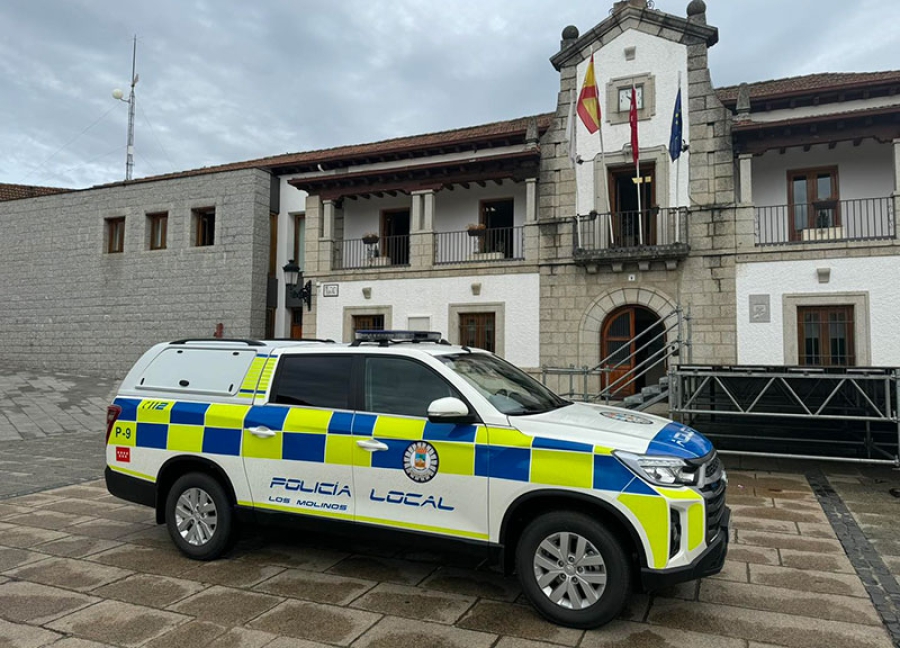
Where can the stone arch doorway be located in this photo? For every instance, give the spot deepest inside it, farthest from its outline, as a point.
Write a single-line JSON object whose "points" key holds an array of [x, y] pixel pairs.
{"points": [[629, 339]]}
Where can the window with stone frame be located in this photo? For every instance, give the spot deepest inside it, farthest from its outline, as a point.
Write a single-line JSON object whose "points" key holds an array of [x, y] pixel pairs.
{"points": [[368, 323], [826, 336], [478, 330], [115, 235], [159, 224]]}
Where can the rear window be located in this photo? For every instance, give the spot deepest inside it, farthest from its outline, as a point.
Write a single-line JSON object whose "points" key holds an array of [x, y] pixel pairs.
{"points": [[199, 371], [314, 381]]}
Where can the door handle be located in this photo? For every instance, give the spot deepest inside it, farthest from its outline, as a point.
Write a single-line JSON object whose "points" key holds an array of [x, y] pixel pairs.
{"points": [[371, 445], [262, 432]]}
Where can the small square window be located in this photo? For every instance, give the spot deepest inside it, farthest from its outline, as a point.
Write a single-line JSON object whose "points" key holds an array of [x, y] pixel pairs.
{"points": [[159, 224], [115, 235], [205, 221]]}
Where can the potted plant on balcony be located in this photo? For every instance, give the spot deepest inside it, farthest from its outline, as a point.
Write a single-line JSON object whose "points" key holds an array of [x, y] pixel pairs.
{"points": [[370, 239], [479, 229]]}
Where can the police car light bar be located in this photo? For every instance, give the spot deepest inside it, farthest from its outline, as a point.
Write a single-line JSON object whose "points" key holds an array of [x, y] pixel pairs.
{"points": [[398, 336]]}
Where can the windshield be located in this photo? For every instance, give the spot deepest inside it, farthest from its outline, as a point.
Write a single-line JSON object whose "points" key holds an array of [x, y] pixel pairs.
{"points": [[508, 388]]}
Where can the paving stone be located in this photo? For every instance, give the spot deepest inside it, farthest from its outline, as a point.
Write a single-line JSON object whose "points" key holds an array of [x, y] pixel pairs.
{"points": [[517, 620], [290, 642], [414, 603], [315, 586], [757, 555], [16, 635], [71, 574], [81, 491], [37, 604], [75, 546], [148, 560], [816, 530], [405, 633], [469, 582], [623, 634], [8, 510], [782, 629], [760, 513], [73, 642], [299, 557], [120, 623], [194, 633], [893, 563], [11, 558], [316, 622], [747, 500], [152, 591], [106, 529], [804, 505], [383, 569], [232, 573], [782, 483], [790, 601], [769, 526], [732, 570], [636, 607], [808, 581], [138, 514], [155, 536], [815, 561], [686, 591], [92, 508], [34, 501], [244, 638], [784, 541], [26, 537], [44, 519], [226, 605]]}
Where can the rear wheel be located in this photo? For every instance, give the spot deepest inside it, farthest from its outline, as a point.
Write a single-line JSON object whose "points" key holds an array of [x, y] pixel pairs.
{"points": [[199, 516], [573, 570]]}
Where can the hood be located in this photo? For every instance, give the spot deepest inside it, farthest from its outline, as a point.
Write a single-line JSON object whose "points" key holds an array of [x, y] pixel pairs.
{"points": [[615, 428]]}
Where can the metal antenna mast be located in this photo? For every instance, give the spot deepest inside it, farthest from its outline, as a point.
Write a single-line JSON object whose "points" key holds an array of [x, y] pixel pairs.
{"points": [[117, 94]]}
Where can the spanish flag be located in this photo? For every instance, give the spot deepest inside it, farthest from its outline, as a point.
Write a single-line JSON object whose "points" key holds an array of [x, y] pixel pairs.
{"points": [[588, 105]]}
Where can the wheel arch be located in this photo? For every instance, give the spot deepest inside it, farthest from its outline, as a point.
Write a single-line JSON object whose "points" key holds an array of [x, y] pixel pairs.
{"points": [[530, 505], [181, 465]]}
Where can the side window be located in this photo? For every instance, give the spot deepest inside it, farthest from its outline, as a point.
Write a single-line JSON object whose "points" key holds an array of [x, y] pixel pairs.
{"points": [[403, 387], [314, 381]]}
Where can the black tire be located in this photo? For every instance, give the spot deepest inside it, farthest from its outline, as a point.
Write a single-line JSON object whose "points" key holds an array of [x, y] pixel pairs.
{"points": [[205, 546], [616, 566]]}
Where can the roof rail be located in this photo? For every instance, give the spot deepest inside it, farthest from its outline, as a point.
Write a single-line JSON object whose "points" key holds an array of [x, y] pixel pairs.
{"points": [[386, 338], [284, 339], [254, 343]]}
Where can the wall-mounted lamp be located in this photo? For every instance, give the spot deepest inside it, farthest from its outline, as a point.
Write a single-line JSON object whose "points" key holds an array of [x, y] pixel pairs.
{"points": [[292, 279]]}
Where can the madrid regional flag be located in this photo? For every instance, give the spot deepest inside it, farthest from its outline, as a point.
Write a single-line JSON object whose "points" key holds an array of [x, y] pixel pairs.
{"points": [[588, 106]]}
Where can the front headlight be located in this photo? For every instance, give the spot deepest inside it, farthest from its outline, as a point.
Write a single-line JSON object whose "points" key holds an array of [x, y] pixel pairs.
{"points": [[661, 471]]}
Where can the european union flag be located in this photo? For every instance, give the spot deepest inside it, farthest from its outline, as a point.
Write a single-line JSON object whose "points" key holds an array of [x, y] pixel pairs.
{"points": [[675, 139]]}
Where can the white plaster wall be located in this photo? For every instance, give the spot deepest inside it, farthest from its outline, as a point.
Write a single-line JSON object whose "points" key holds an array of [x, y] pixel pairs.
{"points": [[292, 201], [864, 171], [432, 297], [879, 276], [661, 58]]}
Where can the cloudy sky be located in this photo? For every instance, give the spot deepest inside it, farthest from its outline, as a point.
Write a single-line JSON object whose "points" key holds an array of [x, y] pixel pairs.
{"points": [[229, 80]]}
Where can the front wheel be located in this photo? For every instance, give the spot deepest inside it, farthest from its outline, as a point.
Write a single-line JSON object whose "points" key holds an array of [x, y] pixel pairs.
{"points": [[198, 516], [573, 570]]}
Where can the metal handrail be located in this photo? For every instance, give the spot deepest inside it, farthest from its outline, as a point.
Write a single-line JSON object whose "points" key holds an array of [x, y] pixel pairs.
{"points": [[634, 374]]}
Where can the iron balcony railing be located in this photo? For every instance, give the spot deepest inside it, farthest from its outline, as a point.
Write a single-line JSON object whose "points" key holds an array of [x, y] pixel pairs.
{"points": [[649, 232], [386, 251], [479, 245], [863, 219]]}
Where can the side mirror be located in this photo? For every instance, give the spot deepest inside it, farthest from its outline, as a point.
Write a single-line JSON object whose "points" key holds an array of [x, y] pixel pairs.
{"points": [[449, 410]]}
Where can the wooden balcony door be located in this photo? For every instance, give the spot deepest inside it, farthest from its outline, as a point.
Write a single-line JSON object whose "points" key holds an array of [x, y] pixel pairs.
{"points": [[395, 235], [630, 228]]}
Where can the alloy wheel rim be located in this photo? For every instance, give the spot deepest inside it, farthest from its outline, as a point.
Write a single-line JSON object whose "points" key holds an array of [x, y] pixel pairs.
{"points": [[570, 570], [196, 516]]}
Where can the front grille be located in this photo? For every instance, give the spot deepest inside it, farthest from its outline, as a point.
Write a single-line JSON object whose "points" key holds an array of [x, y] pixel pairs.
{"points": [[714, 494], [713, 466]]}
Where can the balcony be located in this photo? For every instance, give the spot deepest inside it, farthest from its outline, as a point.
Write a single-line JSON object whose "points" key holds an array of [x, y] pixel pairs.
{"points": [[380, 252], [641, 236], [495, 244], [864, 219]]}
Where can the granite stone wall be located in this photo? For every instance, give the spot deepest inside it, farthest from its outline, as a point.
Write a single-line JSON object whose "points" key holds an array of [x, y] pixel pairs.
{"points": [[67, 304]]}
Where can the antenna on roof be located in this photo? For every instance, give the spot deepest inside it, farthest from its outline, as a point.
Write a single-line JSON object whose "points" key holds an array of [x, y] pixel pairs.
{"points": [[118, 94]]}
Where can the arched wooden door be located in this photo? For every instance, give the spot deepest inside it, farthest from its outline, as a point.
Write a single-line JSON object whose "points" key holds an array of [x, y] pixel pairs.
{"points": [[619, 350]]}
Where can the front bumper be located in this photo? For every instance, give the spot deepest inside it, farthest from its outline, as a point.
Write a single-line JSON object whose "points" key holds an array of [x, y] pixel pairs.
{"points": [[708, 563]]}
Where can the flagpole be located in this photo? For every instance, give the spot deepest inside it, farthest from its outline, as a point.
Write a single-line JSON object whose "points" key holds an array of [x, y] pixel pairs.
{"points": [[678, 180], [637, 172], [608, 207]]}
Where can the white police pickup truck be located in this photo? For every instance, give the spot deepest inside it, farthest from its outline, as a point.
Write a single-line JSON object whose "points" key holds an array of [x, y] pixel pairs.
{"points": [[402, 431]]}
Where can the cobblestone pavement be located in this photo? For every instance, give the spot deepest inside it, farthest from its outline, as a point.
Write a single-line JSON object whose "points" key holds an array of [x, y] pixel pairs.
{"points": [[81, 569]]}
